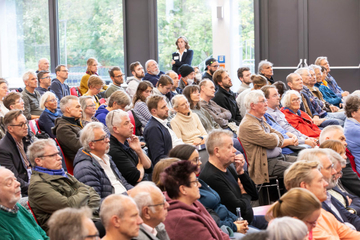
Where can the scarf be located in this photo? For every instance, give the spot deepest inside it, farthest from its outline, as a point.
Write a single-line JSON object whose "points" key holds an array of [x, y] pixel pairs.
{"points": [[55, 114], [51, 171]]}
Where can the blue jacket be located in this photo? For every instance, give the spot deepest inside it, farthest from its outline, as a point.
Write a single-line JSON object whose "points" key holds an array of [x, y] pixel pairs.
{"points": [[328, 95], [355, 204], [211, 199], [47, 121], [101, 113], [88, 171], [352, 133], [153, 78], [158, 140]]}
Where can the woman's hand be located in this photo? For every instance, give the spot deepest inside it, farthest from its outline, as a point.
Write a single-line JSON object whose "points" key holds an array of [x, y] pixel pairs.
{"points": [[172, 62], [242, 226]]}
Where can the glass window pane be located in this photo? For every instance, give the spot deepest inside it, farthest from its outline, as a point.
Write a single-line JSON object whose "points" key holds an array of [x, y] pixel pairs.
{"points": [[24, 37], [190, 18], [90, 29]]}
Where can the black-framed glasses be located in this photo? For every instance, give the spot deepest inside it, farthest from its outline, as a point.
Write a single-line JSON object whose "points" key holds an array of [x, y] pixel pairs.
{"points": [[160, 204], [196, 182], [22, 125], [101, 139], [51, 155]]}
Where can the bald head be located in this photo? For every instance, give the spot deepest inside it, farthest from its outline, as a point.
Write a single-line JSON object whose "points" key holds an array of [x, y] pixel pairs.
{"points": [[43, 64]]}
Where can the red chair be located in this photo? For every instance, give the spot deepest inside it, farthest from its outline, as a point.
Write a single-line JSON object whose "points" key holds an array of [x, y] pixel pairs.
{"points": [[68, 163], [352, 161], [75, 91], [132, 120], [32, 212], [33, 127], [37, 124]]}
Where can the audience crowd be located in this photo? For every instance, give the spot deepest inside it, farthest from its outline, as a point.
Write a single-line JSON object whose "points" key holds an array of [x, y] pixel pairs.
{"points": [[170, 156]]}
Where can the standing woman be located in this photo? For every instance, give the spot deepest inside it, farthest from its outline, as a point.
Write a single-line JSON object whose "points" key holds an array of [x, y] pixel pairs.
{"points": [[3, 92], [183, 55]]}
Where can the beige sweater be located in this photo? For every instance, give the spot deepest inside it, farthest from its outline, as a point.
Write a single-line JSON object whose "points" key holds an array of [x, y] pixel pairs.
{"points": [[188, 128]]}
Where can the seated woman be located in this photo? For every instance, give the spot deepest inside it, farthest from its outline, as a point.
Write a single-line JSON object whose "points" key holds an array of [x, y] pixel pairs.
{"points": [[298, 119], [163, 87], [48, 102], [187, 124], [187, 218], [297, 203], [352, 127], [3, 92], [95, 84], [287, 228], [141, 110], [209, 197], [192, 94]]}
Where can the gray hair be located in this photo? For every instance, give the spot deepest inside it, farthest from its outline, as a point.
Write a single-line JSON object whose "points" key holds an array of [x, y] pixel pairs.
{"points": [[175, 100], [87, 134], [113, 205], [286, 98], [37, 149], [45, 97], [336, 157], [215, 139], [27, 75], [143, 198], [328, 131], [319, 59], [65, 102], [313, 154], [313, 67], [148, 62], [83, 105], [262, 64], [112, 120], [287, 228], [301, 71], [253, 97], [68, 223]]}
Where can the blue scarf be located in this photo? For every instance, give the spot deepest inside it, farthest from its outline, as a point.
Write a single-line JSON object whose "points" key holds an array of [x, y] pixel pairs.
{"points": [[51, 171], [55, 114]]}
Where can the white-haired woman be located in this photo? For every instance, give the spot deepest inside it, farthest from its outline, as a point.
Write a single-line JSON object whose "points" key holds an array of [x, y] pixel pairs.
{"points": [[3, 92], [287, 228], [298, 119], [48, 103]]}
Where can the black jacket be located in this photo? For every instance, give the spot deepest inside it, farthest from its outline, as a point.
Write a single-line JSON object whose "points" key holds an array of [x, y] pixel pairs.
{"points": [[186, 59], [227, 100]]}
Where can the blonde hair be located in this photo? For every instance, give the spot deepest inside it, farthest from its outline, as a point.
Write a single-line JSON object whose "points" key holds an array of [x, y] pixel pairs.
{"points": [[89, 62], [95, 80], [299, 172]]}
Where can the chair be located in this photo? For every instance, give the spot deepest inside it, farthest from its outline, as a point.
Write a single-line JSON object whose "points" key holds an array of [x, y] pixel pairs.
{"points": [[33, 126], [37, 123], [32, 212], [68, 163]]}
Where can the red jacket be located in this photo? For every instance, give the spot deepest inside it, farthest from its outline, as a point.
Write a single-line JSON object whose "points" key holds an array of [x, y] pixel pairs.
{"points": [[304, 124]]}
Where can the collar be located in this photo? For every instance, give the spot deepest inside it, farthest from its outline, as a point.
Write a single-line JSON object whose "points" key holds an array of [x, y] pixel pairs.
{"points": [[271, 109], [149, 229], [32, 94], [13, 210], [297, 113], [72, 120], [105, 158], [259, 119], [221, 89], [163, 122], [183, 52], [51, 171]]}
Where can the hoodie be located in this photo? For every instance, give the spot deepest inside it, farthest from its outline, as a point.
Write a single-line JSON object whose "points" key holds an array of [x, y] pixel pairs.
{"points": [[101, 114]]}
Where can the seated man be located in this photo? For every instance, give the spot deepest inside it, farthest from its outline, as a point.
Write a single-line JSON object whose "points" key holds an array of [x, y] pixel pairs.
{"points": [[138, 73], [235, 187], [163, 87], [43, 64], [261, 143], [30, 96], [44, 81], [125, 148], [349, 179], [306, 174], [224, 96], [152, 207], [117, 100], [187, 124], [72, 223], [51, 188], [14, 101], [332, 84], [175, 89], [68, 126], [187, 73], [244, 75], [273, 100], [265, 68], [13, 148], [95, 168], [120, 217], [331, 204], [152, 72], [58, 85], [116, 76], [159, 138], [211, 66], [15, 221]]}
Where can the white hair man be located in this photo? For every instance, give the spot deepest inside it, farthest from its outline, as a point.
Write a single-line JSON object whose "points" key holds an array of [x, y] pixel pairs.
{"points": [[125, 148], [120, 217], [15, 221], [330, 204], [43, 64], [153, 72], [152, 207], [30, 96], [265, 68], [261, 143], [94, 167]]}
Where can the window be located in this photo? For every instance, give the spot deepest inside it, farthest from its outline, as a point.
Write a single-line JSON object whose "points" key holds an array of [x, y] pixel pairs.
{"points": [[190, 18], [90, 29]]}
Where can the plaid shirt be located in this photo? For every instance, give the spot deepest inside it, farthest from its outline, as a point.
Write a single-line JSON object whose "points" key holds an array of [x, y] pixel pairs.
{"points": [[316, 103], [14, 210], [332, 84]]}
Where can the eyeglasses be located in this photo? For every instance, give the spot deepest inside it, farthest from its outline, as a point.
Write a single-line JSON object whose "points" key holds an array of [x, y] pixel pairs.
{"points": [[196, 160], [101, 139], [93, 237], [196, 182], [262, 101], [51, 155], [92, 105], [160, 204], [330, 167], [22, 125], [52, 100], [339, 174], [45, 77], [295, 100]]}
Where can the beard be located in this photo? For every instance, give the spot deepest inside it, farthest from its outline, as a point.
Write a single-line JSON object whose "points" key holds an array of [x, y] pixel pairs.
{"points": [[211, 72], [155, 72], [140, 75], [332, 183]]}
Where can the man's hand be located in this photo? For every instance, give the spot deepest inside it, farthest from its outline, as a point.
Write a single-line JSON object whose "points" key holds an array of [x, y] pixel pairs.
{"points": [[345, 93], [242, 190], [334, 108], [311, 142], [239, 163], [318, 121], [134, 143]]}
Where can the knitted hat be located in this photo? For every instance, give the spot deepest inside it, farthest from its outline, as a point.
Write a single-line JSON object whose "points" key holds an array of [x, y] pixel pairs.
{"points": [[185, 70], [209, 62]]}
